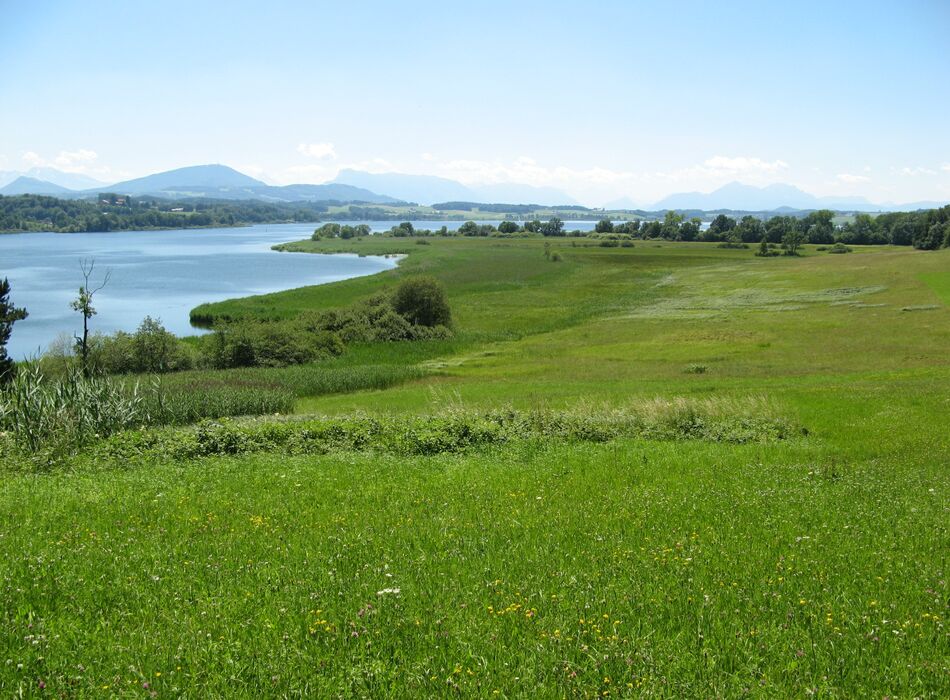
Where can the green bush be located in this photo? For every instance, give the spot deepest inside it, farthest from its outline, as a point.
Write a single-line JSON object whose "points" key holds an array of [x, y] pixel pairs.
{"points": [[421, 300]]}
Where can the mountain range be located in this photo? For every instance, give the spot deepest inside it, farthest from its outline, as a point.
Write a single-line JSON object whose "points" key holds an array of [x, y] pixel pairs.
{"points": [[221, 182], [429, 189], [737, 196], [207, 181], [69, 181]]}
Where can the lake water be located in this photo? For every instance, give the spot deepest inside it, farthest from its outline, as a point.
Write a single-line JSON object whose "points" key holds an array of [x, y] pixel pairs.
{"points": [[164, 274]]}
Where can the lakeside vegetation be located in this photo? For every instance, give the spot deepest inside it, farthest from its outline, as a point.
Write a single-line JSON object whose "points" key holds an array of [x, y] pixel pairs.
{"points": [[631, 470], [111, 212]]}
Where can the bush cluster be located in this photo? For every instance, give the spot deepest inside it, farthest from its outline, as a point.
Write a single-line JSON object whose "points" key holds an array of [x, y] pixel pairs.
{"points": [[416, 310], [454, 430]]}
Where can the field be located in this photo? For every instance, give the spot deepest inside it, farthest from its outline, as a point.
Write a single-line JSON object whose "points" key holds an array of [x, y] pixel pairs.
{"points": [[813, 563]]}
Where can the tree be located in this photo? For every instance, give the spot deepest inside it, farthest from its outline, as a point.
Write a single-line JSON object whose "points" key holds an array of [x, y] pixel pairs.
{"points": [[604, 226], [553, 227], [792, 241], [777, 227], [819, 226], [83, 304], [930, 238], [421, 300], [750, 229], [720, 226], [9, 314], [508, 227], [689, 230], [469, 228], [651, 229], [671, 225], [764, 251]]}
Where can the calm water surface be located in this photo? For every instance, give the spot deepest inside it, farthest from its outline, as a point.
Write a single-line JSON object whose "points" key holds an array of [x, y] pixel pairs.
{"points": [[162, 274], [165, 274]]}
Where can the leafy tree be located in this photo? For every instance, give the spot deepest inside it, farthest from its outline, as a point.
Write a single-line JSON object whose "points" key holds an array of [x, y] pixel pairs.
{"points": [[552, 227], [671, 225], [690, 230], [819, 226], [604, 226], [533, 226], [777, 227], [651, 229], [792, 241], [508, 227], [629, 227], [421, 300], [931, 238], [9, 314], [469, 228], [719, 227], [764, 251], [750, 229], [326, 231], [156, 350]]}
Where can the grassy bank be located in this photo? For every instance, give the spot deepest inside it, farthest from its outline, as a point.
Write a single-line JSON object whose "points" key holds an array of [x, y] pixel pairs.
{"points": [[641, 565]]}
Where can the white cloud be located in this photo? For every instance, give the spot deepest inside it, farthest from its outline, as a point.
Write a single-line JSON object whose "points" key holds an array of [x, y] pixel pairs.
{"points": [[33, 159], [945, 167], [82, 161], [917, 170], [851, 179], [322, 151], [67, 160], [742, 164]]}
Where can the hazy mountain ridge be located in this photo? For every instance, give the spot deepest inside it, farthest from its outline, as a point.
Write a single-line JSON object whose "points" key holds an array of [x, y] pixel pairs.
{"points": [[741, 197], [32, 185], [69, 181], [429, 189], [222, 182]]}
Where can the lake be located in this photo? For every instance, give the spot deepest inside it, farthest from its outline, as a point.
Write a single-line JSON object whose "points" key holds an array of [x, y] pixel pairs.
{"points": [[164, 274]]}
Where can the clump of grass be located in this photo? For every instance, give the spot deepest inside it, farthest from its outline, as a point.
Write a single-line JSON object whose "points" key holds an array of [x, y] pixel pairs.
{"points": [[48, 419], [457, 429], [179, 405], [839, 248], [695, 369]]}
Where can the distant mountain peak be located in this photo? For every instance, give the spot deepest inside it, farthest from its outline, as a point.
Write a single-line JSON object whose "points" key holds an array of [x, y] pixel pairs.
{"points": [[32, 185], [213, 175]]}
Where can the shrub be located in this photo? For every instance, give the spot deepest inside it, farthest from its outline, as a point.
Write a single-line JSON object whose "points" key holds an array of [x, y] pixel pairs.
{"points": [[275, 344], [421, 301], [150, 349]]}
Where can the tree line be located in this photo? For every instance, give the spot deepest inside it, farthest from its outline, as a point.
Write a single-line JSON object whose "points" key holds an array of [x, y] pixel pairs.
{"points": [[927, 229], [39, 213]]}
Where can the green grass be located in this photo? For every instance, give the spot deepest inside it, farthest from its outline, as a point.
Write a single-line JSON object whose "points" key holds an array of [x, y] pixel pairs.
{"points": [[540, 567], [939, 282]]}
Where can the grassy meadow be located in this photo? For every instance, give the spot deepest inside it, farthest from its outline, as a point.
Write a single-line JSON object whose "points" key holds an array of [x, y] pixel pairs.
{"points": [[553, 562]]}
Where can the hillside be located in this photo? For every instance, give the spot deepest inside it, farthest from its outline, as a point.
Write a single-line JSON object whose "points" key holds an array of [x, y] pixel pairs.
{"points": [[30, 185]]}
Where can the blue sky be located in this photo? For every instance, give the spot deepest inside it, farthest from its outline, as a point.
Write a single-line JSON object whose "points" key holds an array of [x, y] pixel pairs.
{"points": [[600, 99]]}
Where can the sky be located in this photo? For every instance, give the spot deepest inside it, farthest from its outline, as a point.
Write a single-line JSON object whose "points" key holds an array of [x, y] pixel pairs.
{"points": [[600, 99]]}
